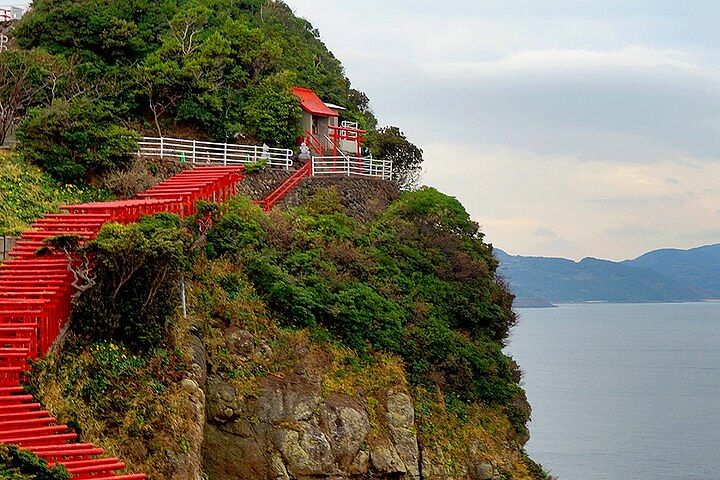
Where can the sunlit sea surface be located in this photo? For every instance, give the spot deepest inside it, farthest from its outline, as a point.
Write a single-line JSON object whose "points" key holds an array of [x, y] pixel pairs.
{"points": [[623, 391]]}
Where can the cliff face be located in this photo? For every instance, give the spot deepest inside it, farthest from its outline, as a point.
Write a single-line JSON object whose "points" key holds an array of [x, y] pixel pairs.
{"points": [[313, 420], [302, 403], [297, 428]]}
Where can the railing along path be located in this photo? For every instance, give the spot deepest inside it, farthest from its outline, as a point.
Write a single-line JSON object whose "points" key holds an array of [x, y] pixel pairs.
{"points": [[352, 166], [195, 151]]}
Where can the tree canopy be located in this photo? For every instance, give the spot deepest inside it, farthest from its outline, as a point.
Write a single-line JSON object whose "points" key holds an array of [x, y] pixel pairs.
{"points": [[216, 69]]}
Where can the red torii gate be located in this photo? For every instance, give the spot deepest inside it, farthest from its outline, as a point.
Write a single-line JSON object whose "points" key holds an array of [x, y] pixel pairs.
{"points": [[349, 133]]}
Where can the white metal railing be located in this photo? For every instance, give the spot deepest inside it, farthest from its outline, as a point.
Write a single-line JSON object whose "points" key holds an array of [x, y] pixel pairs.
{"points": [[345, 165], [195, 151]]}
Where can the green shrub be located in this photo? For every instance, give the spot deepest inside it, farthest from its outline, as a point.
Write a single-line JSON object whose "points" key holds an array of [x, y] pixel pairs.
{"points": [[137, 273], [16, 464], [419, 282], [26, 193], [362, 318], [257, 166], [75, 140], [238, 227], [273, 115]]}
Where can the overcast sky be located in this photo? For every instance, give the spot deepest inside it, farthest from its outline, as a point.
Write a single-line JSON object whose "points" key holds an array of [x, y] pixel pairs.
{"points": [[567, 127]]}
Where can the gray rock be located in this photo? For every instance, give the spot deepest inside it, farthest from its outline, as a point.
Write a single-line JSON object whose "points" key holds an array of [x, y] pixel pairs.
{"points": [[385, 460], [279, 472], [347, 430], [401, 422], [187, 462], [483, 471], [242, 342], [189, 385], [305, 454], [360, 464], [199, 360]]}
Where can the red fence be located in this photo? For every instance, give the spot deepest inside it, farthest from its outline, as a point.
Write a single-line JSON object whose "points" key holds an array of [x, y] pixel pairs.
{"points": [[35, 300]]}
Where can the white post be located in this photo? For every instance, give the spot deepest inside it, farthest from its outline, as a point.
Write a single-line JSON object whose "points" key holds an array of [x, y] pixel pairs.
{"points": [[194, 149], [255, 153], [182, 296], [347, 162], [225, 154], [312, 166], [162, 149]]}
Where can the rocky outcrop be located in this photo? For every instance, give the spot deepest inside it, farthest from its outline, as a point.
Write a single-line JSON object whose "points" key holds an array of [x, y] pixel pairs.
{"points": [[401, 423], [292, 428], [292, 432], [187, 461], [437, 466]]}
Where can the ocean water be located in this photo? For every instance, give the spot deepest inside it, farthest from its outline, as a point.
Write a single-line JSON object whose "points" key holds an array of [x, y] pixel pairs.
{"points": [[623, 391]]}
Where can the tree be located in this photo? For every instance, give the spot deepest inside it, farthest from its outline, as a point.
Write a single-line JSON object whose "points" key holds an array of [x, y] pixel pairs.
{"points": [[390, 143], [74, 140], [361, 104], [161, 85], [137, 270], [79, 263], [27, 79], [273, 115]]}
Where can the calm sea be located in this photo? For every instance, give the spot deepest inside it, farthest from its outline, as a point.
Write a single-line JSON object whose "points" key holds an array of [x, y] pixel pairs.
{"points": [[623, 391]]}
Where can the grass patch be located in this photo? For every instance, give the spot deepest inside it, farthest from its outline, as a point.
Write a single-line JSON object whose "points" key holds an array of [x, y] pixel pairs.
{"points": [[471, 431], [26, 193], [128, 403]]}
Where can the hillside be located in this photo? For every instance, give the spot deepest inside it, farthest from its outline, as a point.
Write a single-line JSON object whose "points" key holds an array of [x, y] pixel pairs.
{"points": [[26, 192], [317, 346], [668, 275], [354, 332], [94, 76], [696, 268]]}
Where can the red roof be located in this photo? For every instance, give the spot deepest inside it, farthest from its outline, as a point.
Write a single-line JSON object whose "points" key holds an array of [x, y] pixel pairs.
{"points": [[311, 103]]}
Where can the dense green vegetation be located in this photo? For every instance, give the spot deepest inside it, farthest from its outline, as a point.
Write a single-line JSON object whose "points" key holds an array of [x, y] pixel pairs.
{"points": [[76, 140], [90, 75], [129, 402], [26, 192], [116, 377], [18, 464], [418, 282], [411, 295], [136, 274]]}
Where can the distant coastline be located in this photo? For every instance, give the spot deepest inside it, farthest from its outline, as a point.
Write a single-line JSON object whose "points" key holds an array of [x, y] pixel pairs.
{"points": [[660, 276], [521, 303]]}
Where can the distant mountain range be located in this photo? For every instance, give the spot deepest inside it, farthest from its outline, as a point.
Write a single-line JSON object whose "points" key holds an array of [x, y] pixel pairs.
{"points": [[667, 275]]}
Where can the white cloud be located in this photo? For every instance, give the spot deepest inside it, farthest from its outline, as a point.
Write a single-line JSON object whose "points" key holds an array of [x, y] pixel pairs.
{"points": [[524, 62], [610, 209]]}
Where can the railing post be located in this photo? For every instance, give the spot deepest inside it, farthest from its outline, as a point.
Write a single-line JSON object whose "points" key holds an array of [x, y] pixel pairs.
{"points": [[255, 158], [225, 154], [347, 162], [162, 148], [194, 150], [312, 166]]}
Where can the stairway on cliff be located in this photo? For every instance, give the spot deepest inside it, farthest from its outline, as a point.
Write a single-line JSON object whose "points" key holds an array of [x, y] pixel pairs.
{"points": [[35, 303]]}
